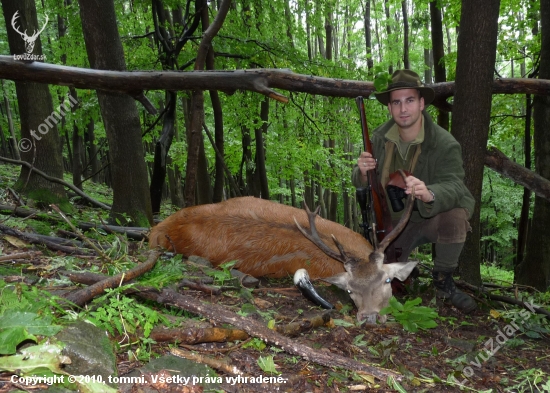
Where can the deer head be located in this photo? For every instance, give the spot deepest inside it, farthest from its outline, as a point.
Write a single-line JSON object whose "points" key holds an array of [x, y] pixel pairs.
{"points": [[29, 41], [368, 281]]}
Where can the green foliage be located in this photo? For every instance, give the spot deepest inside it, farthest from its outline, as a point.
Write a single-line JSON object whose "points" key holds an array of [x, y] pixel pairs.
{"points": [[531, 380], [358, 340], [410, 315], [121, 315], [495, 274], [18, 326], [256, 344], [382, 79], [268, 365], [223, 275], [164, 273]]}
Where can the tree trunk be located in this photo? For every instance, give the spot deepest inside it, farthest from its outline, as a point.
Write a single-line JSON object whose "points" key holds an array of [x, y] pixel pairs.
{"points": [[535, 268], [406, 63], [13, 139], [438, 57], [472, 110], [388, 30], [161, 152], [120, 116], [368, 36], [197, 106], [260, 149], [40, 143], [92, 149], [523, 226], [246, 182], [77, 157]]}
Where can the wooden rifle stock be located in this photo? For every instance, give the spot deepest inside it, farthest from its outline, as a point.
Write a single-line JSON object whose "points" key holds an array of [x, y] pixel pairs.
{"points": [[380, 214]]}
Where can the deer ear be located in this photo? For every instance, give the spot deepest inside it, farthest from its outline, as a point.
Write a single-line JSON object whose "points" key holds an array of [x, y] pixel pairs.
{"points": [[340, 280], [399, 270]]}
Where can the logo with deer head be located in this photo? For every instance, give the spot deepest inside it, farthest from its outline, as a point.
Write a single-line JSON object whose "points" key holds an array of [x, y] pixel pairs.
{"points": [[29, 40]]}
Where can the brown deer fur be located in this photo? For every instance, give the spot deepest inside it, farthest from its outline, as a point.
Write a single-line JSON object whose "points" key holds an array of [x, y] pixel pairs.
{"points": [[261, 235]]}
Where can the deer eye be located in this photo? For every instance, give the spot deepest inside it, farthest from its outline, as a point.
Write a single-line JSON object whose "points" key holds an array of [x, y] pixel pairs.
{"points": [[349, 291], [388, 280]]}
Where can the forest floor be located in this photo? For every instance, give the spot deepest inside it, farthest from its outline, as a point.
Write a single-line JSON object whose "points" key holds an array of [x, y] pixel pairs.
{"points": [[427, 358], [498, 348]]}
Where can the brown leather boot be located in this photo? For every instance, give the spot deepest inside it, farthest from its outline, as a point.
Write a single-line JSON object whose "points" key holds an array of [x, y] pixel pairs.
{"points": [[446, 289]]}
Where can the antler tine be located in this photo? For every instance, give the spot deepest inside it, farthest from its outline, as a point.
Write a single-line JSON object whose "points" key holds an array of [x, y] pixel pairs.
{"points": [[43, 27], [340, 247], [314, 236], [13, 19], [402, 222]]}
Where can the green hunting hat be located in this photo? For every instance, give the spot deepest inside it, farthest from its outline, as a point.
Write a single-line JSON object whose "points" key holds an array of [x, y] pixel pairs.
{"points": [[406, 79]]}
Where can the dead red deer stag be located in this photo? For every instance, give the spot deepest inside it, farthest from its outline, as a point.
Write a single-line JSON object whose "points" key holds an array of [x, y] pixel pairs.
{"points": [[268, 239]]}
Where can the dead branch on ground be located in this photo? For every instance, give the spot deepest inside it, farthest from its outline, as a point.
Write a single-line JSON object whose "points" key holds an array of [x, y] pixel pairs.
{"points": [[86, 294], [20, 255], [192, 336], [56, 180], [80, 235], [223, 365], [257, 329], [294, 328], [199, 286], [501, 298], [41, 240]]}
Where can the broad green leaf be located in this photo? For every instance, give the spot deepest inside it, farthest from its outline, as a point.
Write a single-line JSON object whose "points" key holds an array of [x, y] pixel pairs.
{"points": [[32, 358], [17, 326], [267, 364]]}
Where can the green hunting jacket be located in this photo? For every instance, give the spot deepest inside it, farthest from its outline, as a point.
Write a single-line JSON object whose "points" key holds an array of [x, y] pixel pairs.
{"points": [[439, 165]]}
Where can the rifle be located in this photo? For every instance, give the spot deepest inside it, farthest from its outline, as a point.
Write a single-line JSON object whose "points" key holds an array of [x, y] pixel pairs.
{"points": [[372, 199]]}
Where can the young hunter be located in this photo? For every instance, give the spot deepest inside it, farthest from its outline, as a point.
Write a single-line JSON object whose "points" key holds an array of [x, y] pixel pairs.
{"points": [[413, 142]]}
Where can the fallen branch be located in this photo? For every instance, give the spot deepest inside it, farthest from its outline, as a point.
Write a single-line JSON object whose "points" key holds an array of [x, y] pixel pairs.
{"points": [[135, 233], [218, 364], [86, 278], [257, 329], [36, 239], [497, 161], [80, 235], [56, 180], [192, 336], [16, 196], [501, 298], [20, 255], [197, 286], [294, 328], [26, 212], [86, 294]]}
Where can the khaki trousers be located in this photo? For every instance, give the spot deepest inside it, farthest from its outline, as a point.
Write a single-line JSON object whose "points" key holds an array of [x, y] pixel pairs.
{"points": [[447, 230]]}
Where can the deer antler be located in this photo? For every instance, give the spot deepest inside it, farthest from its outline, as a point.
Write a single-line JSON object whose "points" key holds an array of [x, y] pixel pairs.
{"points": [[24, 35], [13, 19], [41, 30], [402, 221], [315, 239]]}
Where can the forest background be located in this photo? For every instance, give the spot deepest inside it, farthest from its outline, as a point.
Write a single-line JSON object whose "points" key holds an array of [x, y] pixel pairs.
{"points": [[158, 144]]}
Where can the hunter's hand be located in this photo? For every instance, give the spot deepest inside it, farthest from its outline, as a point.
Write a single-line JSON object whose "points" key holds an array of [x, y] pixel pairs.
{"points": [[365, 162], [420, 190]]}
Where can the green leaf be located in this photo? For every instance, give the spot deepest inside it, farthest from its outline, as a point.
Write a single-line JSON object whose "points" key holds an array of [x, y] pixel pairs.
{"points": [[395, 304], [267, 364], [18, 326], [341, 322], [11, 338], [255, 343], [35, 357]]}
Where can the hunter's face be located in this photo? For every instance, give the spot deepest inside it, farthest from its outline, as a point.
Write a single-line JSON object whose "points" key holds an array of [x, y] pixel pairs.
{"points": [[406, 108]]}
